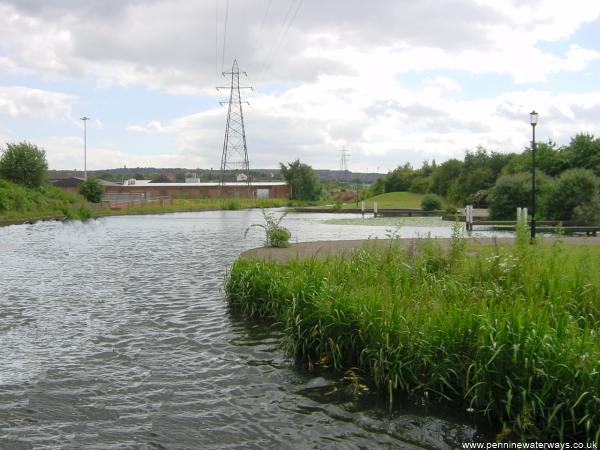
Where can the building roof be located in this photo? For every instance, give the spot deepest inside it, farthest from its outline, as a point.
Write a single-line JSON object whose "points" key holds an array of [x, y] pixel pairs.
{"points": [[76, 181], [67, 182]]}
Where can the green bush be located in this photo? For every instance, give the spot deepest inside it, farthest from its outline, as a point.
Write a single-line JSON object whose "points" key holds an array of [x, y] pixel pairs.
{"points": [[573, 188], [431, 202], [513, 191], [419, 185], [232, 205], [24, 164], [92, 190]]}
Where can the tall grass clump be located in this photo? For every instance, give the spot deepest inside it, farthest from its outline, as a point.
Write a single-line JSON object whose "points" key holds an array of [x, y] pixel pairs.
{"points": [[275, 234], [507, 332]]}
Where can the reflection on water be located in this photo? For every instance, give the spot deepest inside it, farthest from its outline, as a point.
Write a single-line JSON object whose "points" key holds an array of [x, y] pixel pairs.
{"points": [[115, 334]]}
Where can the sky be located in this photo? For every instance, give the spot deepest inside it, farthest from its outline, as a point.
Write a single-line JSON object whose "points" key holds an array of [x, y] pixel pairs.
{"points": [[391, 81]]}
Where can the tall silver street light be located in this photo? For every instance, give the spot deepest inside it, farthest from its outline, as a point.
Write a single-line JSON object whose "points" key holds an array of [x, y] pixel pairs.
{"points": [[533, 118], [85, 119]]}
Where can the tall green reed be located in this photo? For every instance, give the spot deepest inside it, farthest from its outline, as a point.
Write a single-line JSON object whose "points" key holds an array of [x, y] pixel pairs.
{"points": [[509, 333]]}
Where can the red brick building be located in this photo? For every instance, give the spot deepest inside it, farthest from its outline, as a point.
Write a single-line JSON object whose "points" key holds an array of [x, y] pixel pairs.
{"points": [[202, 190]]}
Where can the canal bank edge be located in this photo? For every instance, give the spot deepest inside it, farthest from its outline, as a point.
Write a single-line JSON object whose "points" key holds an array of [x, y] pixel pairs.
{"points": [[472, 331], [325, 249]]}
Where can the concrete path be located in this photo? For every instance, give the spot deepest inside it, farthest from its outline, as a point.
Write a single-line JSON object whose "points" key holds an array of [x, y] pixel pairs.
{"points": [[323, 249]]}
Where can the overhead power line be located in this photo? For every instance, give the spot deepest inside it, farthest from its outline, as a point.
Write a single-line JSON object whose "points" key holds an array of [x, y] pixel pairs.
{"points": [[217, 40], [225, 36], [288, 20]]}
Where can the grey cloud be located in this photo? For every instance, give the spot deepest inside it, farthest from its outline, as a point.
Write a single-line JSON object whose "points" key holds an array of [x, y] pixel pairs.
{"points": [[350, 131], [172, 43], [412, 110], [17, 101], [590, 113]]}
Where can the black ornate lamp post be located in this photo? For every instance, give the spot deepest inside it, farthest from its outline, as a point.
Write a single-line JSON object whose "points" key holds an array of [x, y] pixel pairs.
{"points": [[533, 118]]}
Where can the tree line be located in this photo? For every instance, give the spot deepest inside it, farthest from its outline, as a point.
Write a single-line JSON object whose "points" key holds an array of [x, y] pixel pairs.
{"points": [[567, 180], [25, 164]]}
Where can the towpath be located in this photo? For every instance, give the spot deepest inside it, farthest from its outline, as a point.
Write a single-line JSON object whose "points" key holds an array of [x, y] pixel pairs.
{"points": [[323, 249]]}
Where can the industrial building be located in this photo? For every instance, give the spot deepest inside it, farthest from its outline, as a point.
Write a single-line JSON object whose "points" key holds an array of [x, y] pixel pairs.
{"points": [[259, 189]]}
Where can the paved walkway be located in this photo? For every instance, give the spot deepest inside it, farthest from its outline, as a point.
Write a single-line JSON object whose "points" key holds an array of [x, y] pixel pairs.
{"points": [[323, 249]]}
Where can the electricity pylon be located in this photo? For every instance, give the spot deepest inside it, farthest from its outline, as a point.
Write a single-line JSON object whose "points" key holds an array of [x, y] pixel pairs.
{"points": [[235, 153]]}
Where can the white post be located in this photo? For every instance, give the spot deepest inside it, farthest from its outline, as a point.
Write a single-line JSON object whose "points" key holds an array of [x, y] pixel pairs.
{"points": [[374, 209], [469, 217], [524, 216], [362, 206], [519, 210]]}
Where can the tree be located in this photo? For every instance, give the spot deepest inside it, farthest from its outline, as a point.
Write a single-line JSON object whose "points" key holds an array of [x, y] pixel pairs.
{"points": [[400, 179], [481, 169], [161, 178], [548, 159], [377, 187], [444, 175], [419, 185], [584, 152], [574, 188], [303, 182], [24, 164], [92, 190], [513, 191]]}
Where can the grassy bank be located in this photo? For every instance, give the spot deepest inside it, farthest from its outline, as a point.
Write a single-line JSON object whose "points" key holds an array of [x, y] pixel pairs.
{"points": [[202, 204], [399, 200], [18, 202], [509, 333]]}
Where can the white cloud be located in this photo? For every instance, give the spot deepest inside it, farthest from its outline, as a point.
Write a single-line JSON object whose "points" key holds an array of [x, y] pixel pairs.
{"points": [[170, 45], [339, 71], [415, 126], [153, 126], [23, 102], [67, 153]]}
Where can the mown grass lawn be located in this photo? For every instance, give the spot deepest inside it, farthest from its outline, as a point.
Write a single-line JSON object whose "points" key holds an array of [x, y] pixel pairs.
{"points": [[392, 200]]}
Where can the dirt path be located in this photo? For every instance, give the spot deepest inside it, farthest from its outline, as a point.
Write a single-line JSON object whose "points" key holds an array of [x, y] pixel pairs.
{"points": [[323, 249]]}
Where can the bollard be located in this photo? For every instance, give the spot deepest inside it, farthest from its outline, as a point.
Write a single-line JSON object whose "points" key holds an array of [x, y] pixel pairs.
{"points": [[469, 217]]}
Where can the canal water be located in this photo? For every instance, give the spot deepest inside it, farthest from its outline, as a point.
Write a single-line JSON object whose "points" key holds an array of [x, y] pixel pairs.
{"points": [[115, 333]]}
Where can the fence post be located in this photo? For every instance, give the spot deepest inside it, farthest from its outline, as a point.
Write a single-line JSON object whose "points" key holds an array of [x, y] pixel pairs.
{"points": [[469, 217], [519, 212], [362, 208], [374, 209], [524, 217]]}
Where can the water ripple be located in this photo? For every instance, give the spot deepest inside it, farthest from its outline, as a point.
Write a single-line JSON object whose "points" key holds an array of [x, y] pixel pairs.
{"points": [[115, 334]]}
